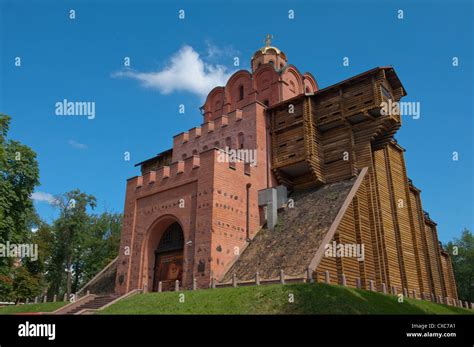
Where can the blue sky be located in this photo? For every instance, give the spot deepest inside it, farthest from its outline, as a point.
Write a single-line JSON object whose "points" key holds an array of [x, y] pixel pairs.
{"points": [[82, 59]]}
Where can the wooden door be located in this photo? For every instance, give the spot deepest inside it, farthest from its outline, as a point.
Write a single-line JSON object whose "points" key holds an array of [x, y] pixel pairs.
{"points": [[168, 269]]}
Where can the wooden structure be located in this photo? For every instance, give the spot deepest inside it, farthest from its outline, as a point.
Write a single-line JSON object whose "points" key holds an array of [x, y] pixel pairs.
{"points": [[329, 136]]}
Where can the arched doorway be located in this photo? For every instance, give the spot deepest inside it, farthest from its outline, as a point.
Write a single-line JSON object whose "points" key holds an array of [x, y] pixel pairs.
{"points": [[169, 258]]}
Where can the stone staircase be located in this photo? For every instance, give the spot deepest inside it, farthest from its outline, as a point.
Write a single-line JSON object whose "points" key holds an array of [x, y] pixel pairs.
{"points": [[96, 302]]}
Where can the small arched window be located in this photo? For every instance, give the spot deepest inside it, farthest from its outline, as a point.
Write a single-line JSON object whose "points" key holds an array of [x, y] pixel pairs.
{"points": [[228, 143], [195, 152], [272, 63], [183, 156], [241, 140], [205, 148], [216, 144], [241, 92]]}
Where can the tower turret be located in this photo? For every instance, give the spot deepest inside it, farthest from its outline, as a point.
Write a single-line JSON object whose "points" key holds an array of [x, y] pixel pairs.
{"points": [[269, 54]]}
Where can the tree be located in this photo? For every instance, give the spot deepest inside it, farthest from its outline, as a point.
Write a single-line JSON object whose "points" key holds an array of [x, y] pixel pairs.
{"points": [[462, 257], [69, 229], [19, 175], [100, 246], [86, 242], [25, 285]]}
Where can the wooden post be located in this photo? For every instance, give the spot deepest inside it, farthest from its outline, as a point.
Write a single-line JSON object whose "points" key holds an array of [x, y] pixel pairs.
{"points": [[176, 286], [55, 298], [394, 290], [213, 283], [440, 299], [384, 288], [36, 299], [467, 304], [160, 287], [65, 297], [414, 294], [194, 284], [433, 297], [448, 302], [282, 277], [27, 300], [257, 278], [372, 285], [234, 280], [45, 298], [89, 292], [309, 275], [343, 280], [358, 283], [405, 292], [327, 279]]}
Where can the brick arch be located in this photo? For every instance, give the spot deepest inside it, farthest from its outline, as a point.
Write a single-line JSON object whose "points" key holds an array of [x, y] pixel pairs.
{"points": [[291, 73], [216, 95], [265, 71], [240, 78], [309, 80], [266, 84], [151, 242]]}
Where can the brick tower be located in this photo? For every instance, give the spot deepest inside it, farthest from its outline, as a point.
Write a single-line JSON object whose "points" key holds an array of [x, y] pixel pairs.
{"points": [[194, 208]]}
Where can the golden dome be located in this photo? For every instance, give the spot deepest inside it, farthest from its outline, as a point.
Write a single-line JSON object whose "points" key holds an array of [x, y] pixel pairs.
{"points": [[268, 49]]}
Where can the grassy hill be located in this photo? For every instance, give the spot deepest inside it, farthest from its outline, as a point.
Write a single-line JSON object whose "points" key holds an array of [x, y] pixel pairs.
{"points": [[42, 307], [274, 299]]}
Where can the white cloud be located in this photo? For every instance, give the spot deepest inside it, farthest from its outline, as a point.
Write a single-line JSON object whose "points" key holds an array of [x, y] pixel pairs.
{"points": [[186, 71], [77, 144], [46, 197]]}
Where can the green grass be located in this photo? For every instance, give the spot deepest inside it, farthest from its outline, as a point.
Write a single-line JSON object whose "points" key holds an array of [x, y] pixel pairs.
{"points": [[274, 299], [30, 308]]}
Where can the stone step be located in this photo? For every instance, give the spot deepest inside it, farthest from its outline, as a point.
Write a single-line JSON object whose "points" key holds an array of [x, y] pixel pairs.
{"points": [[95, 303]]}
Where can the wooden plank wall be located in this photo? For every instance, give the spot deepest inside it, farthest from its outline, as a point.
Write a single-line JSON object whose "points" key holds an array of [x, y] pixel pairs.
{"points": [[402, 213], [287, 137], [424, 273], [449, 280], [433, 254], [347, 236], [335, 143], [313, 142], [401, 246], [354, 229], [394, 265]]}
